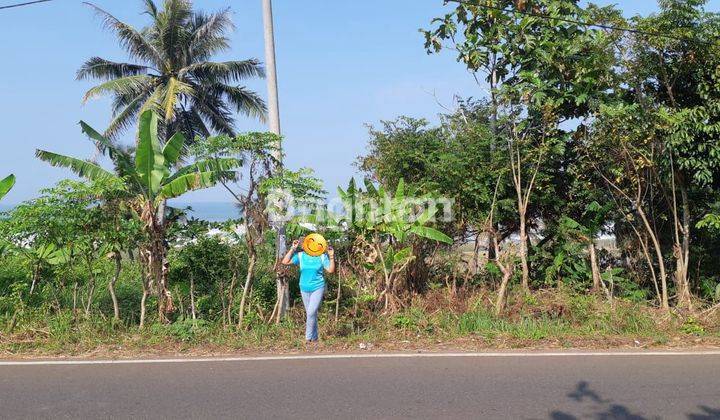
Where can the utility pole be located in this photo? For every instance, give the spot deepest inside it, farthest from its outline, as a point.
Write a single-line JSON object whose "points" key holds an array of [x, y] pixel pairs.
{"points": [[283, 291], [273, 105]]}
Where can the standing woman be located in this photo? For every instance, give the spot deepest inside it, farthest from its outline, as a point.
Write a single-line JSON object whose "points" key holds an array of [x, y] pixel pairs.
{"points": [[312, 262]]}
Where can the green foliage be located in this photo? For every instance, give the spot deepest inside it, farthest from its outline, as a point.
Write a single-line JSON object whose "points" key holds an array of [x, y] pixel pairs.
{"points": [[710, 222], [399, 215], [6, 185], [618, 132], [187, 329], [459, 160], [206, 263], [692, 327], [150, 177]]}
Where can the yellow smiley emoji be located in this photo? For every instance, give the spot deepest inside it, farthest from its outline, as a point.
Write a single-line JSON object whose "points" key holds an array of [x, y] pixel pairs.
{"points": [[314, 245]]}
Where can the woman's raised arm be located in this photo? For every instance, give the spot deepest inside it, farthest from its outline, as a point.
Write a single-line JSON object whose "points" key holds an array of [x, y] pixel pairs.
{"points": [[287, 259]]}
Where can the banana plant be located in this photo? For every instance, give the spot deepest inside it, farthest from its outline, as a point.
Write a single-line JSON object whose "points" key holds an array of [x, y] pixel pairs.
{"points": [[6, 185], [391, 214], [150, 178], [390, 220], [42, 255]]}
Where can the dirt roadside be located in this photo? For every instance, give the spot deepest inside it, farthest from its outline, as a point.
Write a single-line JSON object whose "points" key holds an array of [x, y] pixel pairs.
{"points": [[464, 345]]}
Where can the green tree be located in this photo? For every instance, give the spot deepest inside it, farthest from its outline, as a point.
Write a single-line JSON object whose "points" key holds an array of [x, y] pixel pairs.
{"points": [[677, 77], [261, 179], [150, 181], [543, 73], [58, 233], [173, 74]]}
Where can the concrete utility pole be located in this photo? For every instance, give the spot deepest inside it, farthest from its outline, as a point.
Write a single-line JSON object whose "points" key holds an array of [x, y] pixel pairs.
{"points": [[273, 105], [283, 291]]}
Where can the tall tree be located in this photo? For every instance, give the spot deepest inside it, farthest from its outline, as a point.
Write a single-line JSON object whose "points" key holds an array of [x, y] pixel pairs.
{"points": [[172, 73], [677, 75], [544, 70]]}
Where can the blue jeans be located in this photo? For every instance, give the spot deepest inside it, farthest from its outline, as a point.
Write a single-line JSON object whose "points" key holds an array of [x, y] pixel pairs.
{"points": [[312, 301]]}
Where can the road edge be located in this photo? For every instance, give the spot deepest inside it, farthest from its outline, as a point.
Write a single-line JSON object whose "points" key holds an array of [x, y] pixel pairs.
{"points": [[329, 356]]}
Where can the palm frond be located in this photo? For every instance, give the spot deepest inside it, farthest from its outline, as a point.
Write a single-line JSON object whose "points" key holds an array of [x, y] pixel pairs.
{"points": [[245, 101], [154, 101], [171, 23], [211, 108], [189, 122], [208, 33], [224, 72], [126, 117], [130, 39], [121, 86], [82, 168], [151, 8], [220, 120], [173, 90], [101, 69], [204, 49]]}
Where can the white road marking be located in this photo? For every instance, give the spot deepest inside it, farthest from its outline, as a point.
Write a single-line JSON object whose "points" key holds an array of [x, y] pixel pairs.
{"points": [[358, 356]]}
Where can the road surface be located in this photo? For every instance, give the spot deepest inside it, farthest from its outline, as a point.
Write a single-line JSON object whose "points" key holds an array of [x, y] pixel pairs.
{"points": [[631, 387]]}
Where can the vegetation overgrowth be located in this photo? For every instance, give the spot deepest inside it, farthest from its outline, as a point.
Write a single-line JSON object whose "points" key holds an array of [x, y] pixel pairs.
{"points": [[577, 206]]}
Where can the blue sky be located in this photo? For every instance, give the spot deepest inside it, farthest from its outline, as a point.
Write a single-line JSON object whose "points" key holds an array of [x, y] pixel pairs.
{"points": [[341, 64]]}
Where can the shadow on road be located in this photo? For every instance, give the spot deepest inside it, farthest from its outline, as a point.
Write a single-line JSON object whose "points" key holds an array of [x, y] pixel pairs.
{"points": [[596, 407]]}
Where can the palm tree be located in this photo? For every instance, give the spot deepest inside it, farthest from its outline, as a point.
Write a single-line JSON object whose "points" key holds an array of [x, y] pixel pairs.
{"points": [[173, 75], [149, 181], [6, 185]]}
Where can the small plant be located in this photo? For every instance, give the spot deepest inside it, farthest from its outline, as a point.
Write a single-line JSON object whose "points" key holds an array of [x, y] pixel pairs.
{"points": [[187, 329], [691, 326], [402, 321]]}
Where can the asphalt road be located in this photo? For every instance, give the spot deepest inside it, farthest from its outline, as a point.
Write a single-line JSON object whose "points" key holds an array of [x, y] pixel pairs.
{"points": [[538, 387]]}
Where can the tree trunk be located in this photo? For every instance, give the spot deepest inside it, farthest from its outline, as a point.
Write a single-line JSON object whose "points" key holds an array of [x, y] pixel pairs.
{"points": [[111, 286], [683, 257], [156, 270], [283, 302], [246, 289], [506, 269], [658, 253], [35, 279], [524, 253], [648, 259], [154, 260], [597, 286], [192, 296], [231, 294], [75, 293], [143, 307], [91, 289], [337, 298]]}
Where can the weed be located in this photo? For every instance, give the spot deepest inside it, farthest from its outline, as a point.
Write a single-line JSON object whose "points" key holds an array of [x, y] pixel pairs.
{"points": [[691, 326]]}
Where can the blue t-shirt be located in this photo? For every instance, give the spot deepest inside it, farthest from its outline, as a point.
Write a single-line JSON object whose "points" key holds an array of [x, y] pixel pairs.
{"points": [[311, 270]]}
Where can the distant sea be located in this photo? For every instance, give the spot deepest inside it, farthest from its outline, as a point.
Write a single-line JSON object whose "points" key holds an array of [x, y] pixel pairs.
{"points": [[210, 211]]}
